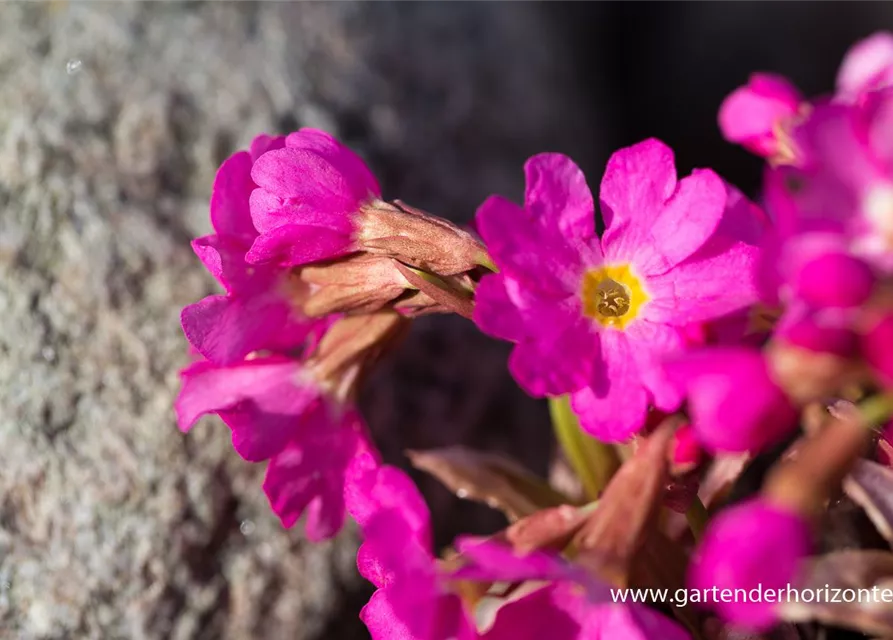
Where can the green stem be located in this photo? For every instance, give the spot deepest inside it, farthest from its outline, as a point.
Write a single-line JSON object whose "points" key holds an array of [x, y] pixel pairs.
{"points": [[594, 462], [876, 410], [697, 517]]}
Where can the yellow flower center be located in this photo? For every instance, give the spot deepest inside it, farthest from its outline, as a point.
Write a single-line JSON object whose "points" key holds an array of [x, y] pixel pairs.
{"points": [[613, 296]]}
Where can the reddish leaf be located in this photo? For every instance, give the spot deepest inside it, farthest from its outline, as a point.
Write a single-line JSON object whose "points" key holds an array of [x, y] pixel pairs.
{"points": [[626, 514], [546, 529], [489, 478], [870, 485]]}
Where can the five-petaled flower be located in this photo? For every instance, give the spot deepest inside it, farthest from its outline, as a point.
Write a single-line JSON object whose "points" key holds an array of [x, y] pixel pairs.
{"points": [[595, 317]]}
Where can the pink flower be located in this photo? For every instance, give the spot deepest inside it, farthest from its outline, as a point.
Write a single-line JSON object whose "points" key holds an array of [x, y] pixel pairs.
{"points": [[573, 605], [734, 402], [595, 317], [412, 601], [759, 115], [258, 311], [752, 544], [867, 66], [307, 195]]}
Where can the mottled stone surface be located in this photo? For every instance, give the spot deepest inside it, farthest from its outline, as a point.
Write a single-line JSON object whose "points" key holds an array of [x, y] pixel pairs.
{"points": [[113, 118]]}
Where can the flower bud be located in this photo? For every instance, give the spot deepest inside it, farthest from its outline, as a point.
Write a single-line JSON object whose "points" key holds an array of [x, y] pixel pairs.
{"points": [[834, 280], [724, 418], [754, 544], [417, 238]]}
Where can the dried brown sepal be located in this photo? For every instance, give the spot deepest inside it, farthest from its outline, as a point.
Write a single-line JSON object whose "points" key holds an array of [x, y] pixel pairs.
{"points": [[807, 376], [721, 477], [805, 481], [417, 238], [490, 478], [358, 283], [849, 569], [610, 540], [662, 564], [441, 291], [551, 529], [870, 485], [351, 346]]}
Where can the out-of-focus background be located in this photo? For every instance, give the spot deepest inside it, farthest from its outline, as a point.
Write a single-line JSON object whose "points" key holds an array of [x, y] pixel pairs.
{"points": [[113, 119]]}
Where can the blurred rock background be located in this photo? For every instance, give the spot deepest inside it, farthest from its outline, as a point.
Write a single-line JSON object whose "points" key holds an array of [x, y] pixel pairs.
{"points": [[113, 119]]}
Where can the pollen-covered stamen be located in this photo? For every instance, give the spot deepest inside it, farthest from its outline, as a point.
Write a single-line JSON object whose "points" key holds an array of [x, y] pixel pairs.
{"points": [[612, 298], [612, 295]]}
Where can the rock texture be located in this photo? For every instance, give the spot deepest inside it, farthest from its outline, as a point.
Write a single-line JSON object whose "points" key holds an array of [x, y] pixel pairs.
{"points": [[113, 118]]}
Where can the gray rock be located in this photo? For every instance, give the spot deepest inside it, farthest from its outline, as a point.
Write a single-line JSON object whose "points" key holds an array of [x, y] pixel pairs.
{"points": [[113, 119]]}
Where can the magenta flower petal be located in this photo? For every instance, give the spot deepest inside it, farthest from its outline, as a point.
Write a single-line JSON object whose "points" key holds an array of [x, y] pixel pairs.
{"points": [[272, 212], [557, 191], [556, 344], [835, 280], [416, 611], [225, 329], [637, 622], [295, 244], [349, 164], [540, 614], [654, 343], [707, 286], [687, 220], [305, 176], [530, 249], [719, 278], [206, 248], [263, 143], [495, 561], [382, 621], [812, 332], [498, 304], [576, 606], [637, 182], [308, 476], [392, 548], [376, 488], [751, 114], [750, 545], [724, 418], [233, 185], [616, 408], [412, 601], [261, 400], [561, 363], [867, 66], [651, 220]]}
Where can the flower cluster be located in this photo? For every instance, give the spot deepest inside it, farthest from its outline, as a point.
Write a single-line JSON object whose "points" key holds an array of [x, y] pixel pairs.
{"points": [[697, 331]]}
